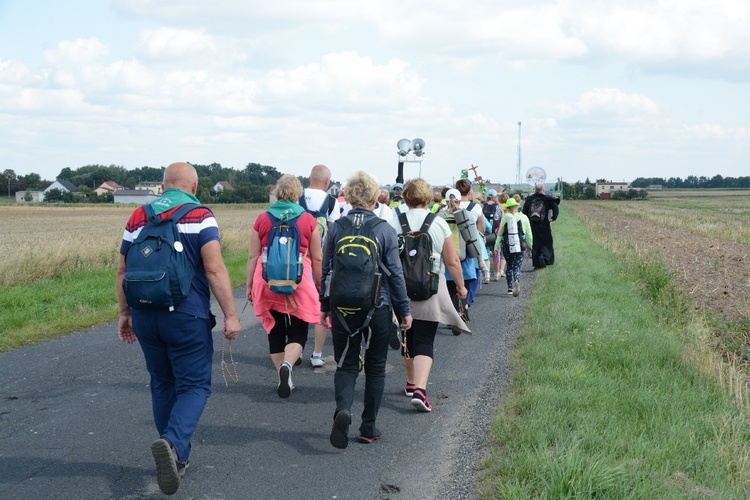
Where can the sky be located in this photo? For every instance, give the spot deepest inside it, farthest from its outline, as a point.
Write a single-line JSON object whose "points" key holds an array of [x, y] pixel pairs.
{"points": [[602, 90]]}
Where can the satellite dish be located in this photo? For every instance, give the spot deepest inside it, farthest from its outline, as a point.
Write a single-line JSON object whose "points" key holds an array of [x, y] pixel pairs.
{"points": [[404, 146], [418, 146], [536, 175]]}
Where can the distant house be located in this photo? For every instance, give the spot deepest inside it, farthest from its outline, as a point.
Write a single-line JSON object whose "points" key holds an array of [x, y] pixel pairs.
{"points": [[108, 187], [36, 196], [655, 186], [222, 186], [154, 187], [64, 186], [604, 190], [139, 196], [334, 189]]}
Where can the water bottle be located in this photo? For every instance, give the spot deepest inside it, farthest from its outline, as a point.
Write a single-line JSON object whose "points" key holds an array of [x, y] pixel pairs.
{"points": [[264, 262], [300, 262]]}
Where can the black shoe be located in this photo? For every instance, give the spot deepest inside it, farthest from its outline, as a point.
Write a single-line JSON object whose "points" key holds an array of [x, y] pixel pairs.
{"points": [[340, 430]]}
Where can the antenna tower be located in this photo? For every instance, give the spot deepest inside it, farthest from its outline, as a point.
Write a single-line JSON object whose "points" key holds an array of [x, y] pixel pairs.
{"points": [[518, 164]]}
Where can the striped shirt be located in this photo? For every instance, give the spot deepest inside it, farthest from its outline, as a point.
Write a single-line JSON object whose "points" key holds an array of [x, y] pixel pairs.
{"points": [[196, 228]]}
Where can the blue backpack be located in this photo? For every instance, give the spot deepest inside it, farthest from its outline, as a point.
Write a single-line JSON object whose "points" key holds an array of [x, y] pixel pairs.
{"points": [[282, 260], [158, 273]]}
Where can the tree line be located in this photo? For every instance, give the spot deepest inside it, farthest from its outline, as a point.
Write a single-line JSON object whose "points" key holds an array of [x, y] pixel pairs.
{"points": [[251, 184], [693, 182]]}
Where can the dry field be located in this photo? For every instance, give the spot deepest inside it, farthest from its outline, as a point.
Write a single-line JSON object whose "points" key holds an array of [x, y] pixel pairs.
{"points": [[704, 238], [38, 242]]}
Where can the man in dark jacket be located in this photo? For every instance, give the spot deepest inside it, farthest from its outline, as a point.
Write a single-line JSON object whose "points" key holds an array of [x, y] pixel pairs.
{"points": [[537, 208]]}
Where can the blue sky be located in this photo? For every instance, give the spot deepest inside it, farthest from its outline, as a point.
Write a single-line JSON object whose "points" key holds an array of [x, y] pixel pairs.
{"points": [[614, 90]]}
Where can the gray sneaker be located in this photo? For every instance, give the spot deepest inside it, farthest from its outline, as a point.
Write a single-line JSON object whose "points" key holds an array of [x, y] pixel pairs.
{"points": [[516, 288], [167, 473]]}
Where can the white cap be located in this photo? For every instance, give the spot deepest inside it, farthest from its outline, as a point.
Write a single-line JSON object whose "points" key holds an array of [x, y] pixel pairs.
{"points": [[453, 192]]}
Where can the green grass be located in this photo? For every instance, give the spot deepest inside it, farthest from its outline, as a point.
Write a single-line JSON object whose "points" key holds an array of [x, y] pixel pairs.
{"points": [[52, 307], [604, 403]]}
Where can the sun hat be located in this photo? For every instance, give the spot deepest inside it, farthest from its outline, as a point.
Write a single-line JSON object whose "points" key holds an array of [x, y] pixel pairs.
{"points": [[453, 192], [511, 203], [491, 193]]}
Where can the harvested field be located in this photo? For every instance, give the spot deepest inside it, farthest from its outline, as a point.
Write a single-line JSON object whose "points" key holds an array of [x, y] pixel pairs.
{"points": [[42, 241], [704, 240]]}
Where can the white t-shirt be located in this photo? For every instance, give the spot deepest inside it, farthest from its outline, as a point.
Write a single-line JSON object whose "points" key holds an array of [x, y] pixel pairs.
{"points": [[476, 211], [315, 198], [384, 212]]}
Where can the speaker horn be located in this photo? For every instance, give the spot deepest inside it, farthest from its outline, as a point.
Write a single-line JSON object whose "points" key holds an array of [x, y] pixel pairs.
{"points": [[418, 146], [404, 146]]}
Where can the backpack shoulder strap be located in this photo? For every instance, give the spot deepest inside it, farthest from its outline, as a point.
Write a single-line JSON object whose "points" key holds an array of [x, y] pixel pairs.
{"points": [[470, 206], [404, 223], [302, 201], [427, 222], [178, 214], [331, 204]]}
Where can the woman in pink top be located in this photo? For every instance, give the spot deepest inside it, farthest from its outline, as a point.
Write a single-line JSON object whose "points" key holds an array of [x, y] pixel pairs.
{"points": [[286, 317]]}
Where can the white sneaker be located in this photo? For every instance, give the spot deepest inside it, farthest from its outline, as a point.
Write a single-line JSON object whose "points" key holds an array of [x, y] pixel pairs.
{"points": [[285, 387], [516, 288], [317, 361]]}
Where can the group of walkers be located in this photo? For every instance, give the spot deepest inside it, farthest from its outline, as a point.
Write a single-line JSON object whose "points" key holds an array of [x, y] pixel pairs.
{"points": [[314, 260]]}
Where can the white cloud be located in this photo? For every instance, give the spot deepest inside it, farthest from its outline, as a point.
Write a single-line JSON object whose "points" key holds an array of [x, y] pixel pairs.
{"points": [[175, 44]]}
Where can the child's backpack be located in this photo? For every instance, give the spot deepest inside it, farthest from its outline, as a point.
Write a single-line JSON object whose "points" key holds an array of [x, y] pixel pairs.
{"points": [[514, 240], [417, 260], [321, 215], [158, 273], [282, 260], [536, 210]]}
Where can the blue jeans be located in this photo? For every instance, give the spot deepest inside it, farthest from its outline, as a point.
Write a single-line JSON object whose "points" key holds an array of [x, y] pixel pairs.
{"points": [[345, 378], [178, 349]]}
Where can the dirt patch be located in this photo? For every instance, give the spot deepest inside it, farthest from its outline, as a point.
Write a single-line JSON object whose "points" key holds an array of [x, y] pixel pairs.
{"points": [[716, 273]]}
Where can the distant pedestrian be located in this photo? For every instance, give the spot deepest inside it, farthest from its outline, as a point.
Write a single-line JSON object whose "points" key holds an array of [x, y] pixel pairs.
{"points": [[542, 210], [493, 212], [418, 352], [177, 344], [285, 317], [514, 243], [348, 331]]}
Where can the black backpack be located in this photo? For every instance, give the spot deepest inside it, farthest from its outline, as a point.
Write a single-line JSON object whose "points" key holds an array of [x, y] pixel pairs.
{"points": [[158, 273], [417, 260], [355, 279], [490, 212], [536, 210]]}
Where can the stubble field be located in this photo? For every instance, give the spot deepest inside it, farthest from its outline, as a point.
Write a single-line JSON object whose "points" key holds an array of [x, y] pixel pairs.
{"points": [[42, 241], [703, 237]]}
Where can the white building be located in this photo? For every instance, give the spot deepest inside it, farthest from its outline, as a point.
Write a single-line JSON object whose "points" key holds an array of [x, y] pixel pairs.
{"points": [[137, 196], [604, 190], [36, 196]]}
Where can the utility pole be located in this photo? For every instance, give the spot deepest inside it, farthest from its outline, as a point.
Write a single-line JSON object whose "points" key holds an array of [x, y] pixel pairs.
{"points": [[518, 164]]}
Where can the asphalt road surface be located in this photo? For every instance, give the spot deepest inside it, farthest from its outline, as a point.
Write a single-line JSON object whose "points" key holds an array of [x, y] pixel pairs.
{"points": [[75, 419]]}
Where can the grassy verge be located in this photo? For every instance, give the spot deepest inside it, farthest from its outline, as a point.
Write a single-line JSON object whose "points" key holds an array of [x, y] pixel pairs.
{"points": [[51, 307], [608, 399]]}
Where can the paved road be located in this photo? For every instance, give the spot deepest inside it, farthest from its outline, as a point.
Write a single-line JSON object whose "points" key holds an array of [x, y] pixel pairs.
{"points": [[75, 420]]}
